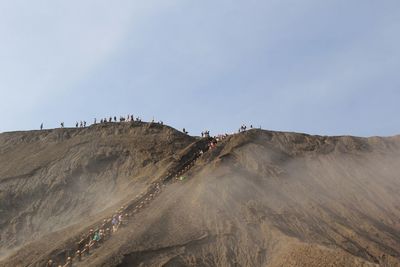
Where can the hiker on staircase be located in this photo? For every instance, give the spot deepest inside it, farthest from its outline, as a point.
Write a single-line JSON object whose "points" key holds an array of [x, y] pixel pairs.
{"points": [[120, 219], [114, 223], [96, 239]]}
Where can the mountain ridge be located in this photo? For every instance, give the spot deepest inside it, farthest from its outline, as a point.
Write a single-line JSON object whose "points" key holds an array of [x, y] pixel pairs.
{"points": [[278, 193]]}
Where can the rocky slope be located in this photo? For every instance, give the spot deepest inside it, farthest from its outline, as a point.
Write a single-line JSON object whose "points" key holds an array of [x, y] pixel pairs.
{"points": [[259, 198]]}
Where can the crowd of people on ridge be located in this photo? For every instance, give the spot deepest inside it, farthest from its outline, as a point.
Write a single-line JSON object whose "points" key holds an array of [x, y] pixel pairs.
{"points": [[244, 128], [206, 133], [131, 118], [128, 118]]}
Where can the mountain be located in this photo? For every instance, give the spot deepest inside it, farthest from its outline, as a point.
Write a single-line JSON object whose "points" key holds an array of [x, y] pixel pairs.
{"points": [[259, 198]]}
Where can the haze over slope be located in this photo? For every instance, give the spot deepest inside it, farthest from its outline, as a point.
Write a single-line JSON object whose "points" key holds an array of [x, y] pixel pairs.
{"points": [[259, 199]]}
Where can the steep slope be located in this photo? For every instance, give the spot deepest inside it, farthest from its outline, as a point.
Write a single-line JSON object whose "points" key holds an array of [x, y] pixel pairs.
{"points": [[55, 178], [262, 199], [273, 199]]}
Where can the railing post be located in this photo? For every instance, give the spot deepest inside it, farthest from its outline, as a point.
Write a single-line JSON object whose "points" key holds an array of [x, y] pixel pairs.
{"points": [[87, 248], [79, 255]]}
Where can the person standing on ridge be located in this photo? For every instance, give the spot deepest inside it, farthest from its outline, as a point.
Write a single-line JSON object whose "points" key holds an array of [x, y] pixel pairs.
{"points": [[41, 126]]}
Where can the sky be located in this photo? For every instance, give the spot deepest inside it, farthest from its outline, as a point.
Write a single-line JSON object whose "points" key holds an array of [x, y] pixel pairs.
{"points": [[321, 67]]}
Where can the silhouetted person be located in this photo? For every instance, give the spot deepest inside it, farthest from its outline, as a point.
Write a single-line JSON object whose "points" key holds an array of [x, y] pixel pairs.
{"points": [[76, 124], [41, 126], [62, 125], [84, 123], [110, 119]]}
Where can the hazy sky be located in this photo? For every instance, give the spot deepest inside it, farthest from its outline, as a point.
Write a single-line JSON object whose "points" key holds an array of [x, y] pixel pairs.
{"points": [[321, 67]]}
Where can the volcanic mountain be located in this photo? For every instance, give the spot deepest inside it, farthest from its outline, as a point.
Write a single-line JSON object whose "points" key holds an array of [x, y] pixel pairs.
{"points": [[258, 198]]}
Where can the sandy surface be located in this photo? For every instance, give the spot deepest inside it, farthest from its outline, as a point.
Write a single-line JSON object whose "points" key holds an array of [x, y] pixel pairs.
{"points": [[259, 199]]}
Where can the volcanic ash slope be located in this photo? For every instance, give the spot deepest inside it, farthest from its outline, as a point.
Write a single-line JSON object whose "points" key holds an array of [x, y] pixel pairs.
{"points": [[267, 199]]}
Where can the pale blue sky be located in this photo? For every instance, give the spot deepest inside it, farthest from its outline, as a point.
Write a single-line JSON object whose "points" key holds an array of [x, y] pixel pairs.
{"points": [[321, 67]]}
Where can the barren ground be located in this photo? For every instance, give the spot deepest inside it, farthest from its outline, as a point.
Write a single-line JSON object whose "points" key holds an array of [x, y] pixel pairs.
{"points": [[259, 199]]}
